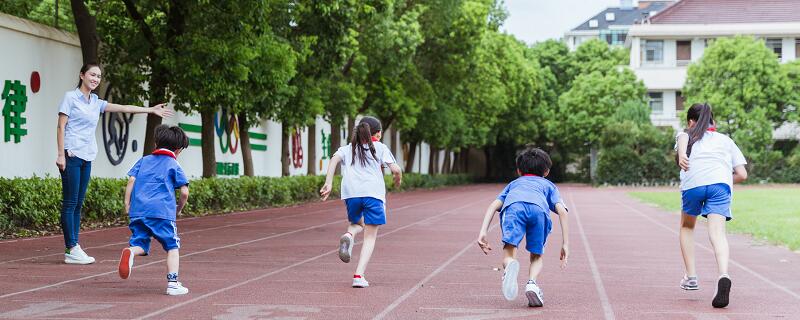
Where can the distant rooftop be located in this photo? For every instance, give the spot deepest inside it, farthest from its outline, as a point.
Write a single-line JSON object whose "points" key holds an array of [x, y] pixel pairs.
{"points": [[623, 16], [729, 11]]}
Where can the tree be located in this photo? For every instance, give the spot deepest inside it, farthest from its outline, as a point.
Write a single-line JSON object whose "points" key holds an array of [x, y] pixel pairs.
{"points": [[749, 91]]}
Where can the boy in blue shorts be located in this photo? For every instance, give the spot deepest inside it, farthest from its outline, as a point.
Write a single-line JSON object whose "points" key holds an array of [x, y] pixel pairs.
{"points": [[150, 203], [525, 206]]}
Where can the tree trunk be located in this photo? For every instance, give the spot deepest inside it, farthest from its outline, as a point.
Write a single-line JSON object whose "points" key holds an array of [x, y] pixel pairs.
{"points": [[336, 140], [86, 25], [412, 152], [351, 124], [431, 160], [465, 160], [395, 142], [311, 155], [247, 152], [446, 164], [207, 136], [593, 163], [286, 154]]}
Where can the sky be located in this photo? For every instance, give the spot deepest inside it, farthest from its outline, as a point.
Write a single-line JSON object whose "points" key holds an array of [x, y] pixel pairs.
{"points": [[539, 20]]}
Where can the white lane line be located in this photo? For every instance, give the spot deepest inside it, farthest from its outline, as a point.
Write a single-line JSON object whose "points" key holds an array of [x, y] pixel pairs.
{"points": [[601, 291], [198, 252], [430, 276], [733, 262], [215, 292]]}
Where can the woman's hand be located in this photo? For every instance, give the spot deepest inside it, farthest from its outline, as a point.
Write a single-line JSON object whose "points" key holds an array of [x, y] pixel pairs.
{"points": [[61, 162], [160, 111]]}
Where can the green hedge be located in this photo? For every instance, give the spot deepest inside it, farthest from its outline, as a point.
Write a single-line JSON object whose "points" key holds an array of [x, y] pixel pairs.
{"points": [[32, 205]]}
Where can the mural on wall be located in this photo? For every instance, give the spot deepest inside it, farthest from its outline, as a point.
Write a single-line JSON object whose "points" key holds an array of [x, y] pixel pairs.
{"points": [[15, 96], [226, 127], [297, 149], [326, 148]]}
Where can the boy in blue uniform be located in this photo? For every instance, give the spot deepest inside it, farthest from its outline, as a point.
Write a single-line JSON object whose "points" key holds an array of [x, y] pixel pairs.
{"points": [[150, 203], [525, 206]]}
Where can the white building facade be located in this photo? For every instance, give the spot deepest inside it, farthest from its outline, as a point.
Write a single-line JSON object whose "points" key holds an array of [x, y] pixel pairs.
{"points": [[662, 48]]}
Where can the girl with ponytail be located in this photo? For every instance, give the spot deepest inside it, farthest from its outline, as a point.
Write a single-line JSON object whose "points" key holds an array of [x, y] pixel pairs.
{"points": [[363, 190], [710, 164]]}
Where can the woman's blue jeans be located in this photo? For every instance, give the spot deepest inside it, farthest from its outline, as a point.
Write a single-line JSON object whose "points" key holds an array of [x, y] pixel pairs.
{"points": [[74, 181]]}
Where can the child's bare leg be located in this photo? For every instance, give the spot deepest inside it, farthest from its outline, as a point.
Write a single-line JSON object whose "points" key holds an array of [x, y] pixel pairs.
{"points": [[716, 233], [137, 251], [536, 266], [370, 234], [687, 243], [355, 228], [509, 253], [173, 261]]}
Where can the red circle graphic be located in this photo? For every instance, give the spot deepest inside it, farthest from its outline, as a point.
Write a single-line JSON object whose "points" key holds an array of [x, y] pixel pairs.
{"points": [[36, 82]]}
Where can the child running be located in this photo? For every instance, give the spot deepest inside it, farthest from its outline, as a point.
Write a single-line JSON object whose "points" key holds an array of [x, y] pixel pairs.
{"points": [[525, 206], [363, 190], [716, 164], [150, 202]]}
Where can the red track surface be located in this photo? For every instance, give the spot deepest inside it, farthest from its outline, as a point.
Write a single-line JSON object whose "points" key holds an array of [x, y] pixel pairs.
{"points": [[282, 264]]}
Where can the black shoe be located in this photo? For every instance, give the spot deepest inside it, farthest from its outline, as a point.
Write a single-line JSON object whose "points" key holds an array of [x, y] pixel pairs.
{"points": [[723, 292]]}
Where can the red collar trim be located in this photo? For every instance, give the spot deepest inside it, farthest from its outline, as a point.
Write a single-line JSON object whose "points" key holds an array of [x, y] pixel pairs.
{"points": [[375, 139], [529, 175], [165, 152], [712, 129]]}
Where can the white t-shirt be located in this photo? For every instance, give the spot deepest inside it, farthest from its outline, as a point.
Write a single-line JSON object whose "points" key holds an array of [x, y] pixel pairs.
{"points": [[712, 161], [364, 181]]}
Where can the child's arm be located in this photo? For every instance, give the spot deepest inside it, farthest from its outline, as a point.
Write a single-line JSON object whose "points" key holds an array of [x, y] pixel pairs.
{"points": [[328, 186], [183, 199], [487, 220], [683, 144], [128, 191], [563, 220], [397, 174], [739, 174]]}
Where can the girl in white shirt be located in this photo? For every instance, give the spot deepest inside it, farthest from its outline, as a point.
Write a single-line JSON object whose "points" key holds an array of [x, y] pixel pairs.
{"points": [[363, 190], [710, 163]]}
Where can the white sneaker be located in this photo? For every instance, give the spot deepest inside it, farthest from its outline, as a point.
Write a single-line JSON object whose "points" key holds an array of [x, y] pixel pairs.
{"points": [[360, 282], [510, 287], [534, 294], [77, 256], [176, 289], [126, 263], [345, 247]]}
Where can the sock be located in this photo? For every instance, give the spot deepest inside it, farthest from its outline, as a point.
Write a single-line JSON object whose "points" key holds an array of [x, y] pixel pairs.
{"points": [[172, 277], [691, 278], [531, 281], [357, 276]]}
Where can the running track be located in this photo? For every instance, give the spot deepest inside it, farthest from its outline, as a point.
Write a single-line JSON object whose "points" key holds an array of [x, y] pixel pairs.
{"points": [[282, 264]]}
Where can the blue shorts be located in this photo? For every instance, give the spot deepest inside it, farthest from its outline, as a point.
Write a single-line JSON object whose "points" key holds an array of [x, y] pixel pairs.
{"points": [[163, 230], [372, 210], [526, 219], [705, 200]]}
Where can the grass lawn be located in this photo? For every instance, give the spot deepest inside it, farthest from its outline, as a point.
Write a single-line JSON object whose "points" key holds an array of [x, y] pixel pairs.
{"points": [[770, 213]]}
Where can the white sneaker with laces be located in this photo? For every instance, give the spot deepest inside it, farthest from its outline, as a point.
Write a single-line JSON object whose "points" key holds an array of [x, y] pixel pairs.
{"points": [[176, 289], [510, 286], [534, 294], [76, 255], [360, 282]]}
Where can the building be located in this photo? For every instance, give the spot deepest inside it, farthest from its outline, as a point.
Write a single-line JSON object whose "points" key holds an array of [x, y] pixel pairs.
{"points": [[612, 24], [663, 45]]}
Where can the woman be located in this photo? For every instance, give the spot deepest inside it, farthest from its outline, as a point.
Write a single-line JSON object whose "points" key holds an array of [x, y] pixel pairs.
{"points": [[77, 147]]}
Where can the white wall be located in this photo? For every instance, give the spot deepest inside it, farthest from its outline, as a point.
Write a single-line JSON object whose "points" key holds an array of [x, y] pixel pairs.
{"points": [[56, 56]]}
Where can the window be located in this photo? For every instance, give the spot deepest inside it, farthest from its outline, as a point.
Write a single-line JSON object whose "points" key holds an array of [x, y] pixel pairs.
{"points": [[653, 51], [776, 45], [610, 16], [679, 101], [684, 52], [656, 102], [593, 23], [614, 36]]}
